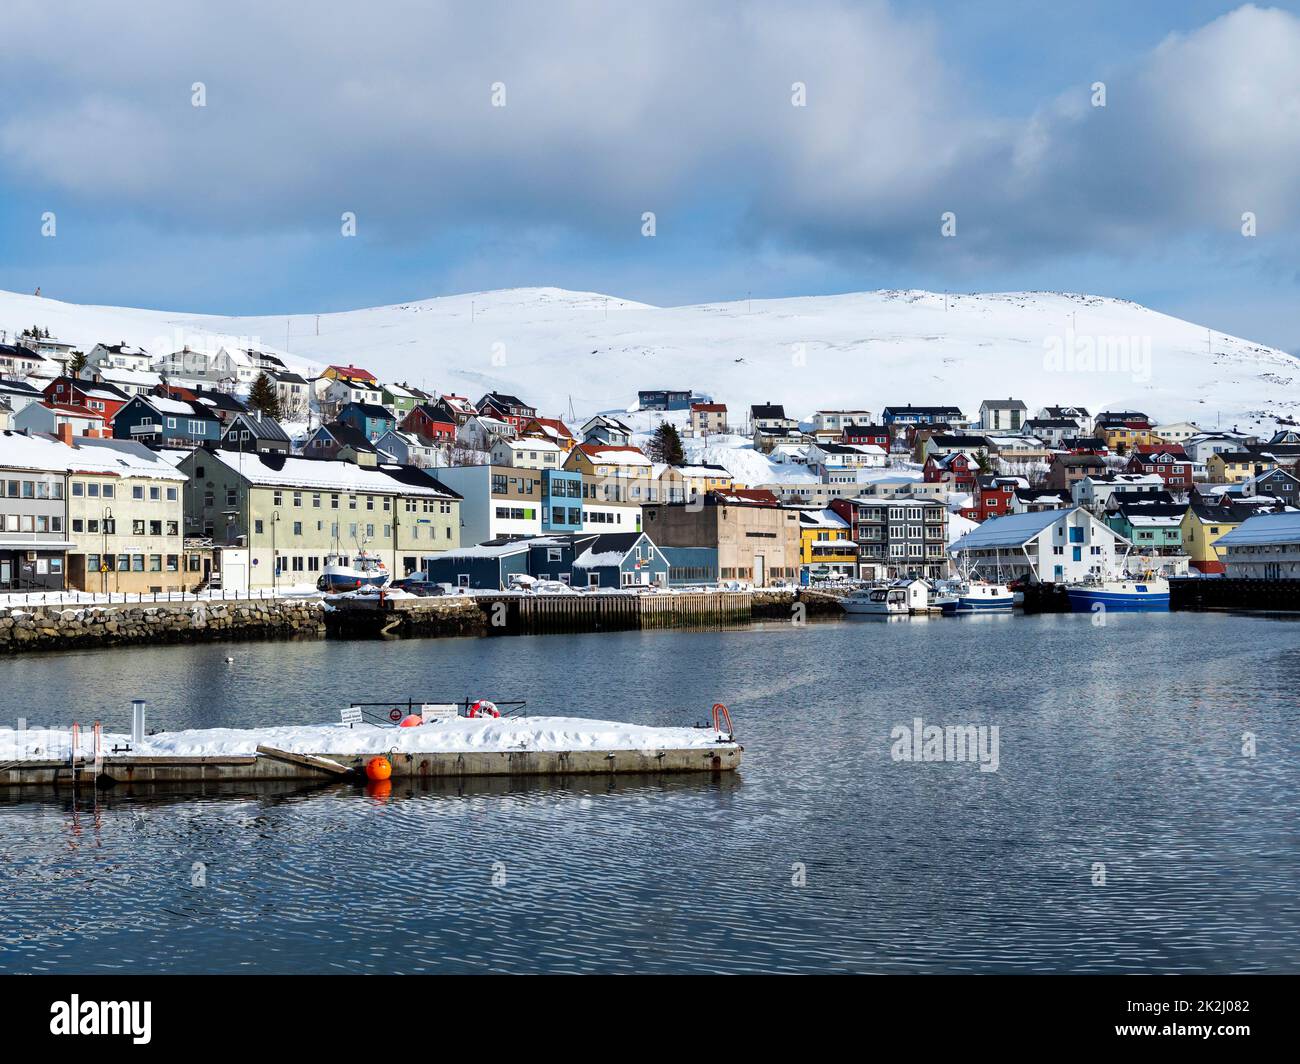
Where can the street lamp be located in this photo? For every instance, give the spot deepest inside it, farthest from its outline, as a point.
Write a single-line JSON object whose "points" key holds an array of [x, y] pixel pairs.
{"points": [[275, 557], [103, 558]]}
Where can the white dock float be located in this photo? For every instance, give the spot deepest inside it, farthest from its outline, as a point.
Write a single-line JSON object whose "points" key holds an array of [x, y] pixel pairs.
{"points": [[524, 746]]}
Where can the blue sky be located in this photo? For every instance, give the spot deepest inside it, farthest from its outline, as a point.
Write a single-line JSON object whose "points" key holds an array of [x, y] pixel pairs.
{"points": [[672, 107]]}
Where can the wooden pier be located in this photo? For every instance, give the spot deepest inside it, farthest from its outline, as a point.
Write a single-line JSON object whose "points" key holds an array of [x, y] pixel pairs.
{"points": [[513, 613]]}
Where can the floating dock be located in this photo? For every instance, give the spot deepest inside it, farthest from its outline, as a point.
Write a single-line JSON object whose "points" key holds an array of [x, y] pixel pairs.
{"points": [[527, 746]]}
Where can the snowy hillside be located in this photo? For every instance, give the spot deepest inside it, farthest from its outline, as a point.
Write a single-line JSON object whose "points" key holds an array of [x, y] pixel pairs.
{"points": [[554, 347]]}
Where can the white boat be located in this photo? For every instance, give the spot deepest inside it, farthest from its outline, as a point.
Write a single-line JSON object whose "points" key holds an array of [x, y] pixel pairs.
{"points": [[978, 596], [344, 573], [880, 601]]}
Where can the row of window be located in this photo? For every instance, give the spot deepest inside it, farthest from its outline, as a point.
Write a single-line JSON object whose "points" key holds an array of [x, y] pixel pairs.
{"points": [[139, 492], [108, 527], [132, 563], [33, 523], [51, 488]]}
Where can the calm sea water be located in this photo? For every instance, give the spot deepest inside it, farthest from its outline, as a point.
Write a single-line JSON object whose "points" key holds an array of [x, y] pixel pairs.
{"points": [[1119, 746]]}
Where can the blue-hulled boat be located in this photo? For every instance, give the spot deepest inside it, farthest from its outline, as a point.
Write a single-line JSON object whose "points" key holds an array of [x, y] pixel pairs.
{"points": [[1145, 594], [977, 596], [342, 573]]}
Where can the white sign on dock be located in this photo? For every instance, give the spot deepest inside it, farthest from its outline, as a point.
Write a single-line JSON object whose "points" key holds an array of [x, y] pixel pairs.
{"points": [[351, 715], [449, 711]]}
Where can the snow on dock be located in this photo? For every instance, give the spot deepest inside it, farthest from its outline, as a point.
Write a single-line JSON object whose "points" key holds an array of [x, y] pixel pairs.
{"points": [[455, 746]]}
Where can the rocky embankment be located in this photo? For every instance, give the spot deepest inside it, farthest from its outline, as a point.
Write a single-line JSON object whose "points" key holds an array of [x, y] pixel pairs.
{"points": [[64, 627]]}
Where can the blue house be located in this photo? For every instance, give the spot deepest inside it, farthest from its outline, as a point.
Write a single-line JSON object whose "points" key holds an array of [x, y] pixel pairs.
{"points": [[664, 399], [561, 500], [164, 422], [921, 415], [487, 567], [619, 559], [367, 418]]}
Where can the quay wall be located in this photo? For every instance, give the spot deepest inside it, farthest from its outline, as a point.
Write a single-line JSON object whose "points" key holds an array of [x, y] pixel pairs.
{"points": [[73, 626], [1234, 593]]}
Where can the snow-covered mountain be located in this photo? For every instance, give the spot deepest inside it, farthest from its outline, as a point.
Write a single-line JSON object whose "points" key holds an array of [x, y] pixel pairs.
{"points": [[555, 348]]}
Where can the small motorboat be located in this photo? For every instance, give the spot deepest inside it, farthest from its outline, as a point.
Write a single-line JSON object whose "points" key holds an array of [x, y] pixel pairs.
{"points": [[343, 573], [978, 596], [878, 601]]}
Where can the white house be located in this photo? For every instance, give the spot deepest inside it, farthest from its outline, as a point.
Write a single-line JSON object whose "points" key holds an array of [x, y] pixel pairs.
{"points": [[480, 432], [1263, 547], [1048, 546], [1002, 415], [1095, 493], [532, 452], [119, 356], [407, 449], [1175, 432], [838, 420]]}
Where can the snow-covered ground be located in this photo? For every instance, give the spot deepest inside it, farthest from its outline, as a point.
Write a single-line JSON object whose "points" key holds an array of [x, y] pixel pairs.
{"points": [[85, 598], [460, 735], [555, 348]]}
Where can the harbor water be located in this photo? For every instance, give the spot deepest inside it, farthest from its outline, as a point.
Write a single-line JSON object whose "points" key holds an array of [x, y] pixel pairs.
{"points": [[1142, 815]]}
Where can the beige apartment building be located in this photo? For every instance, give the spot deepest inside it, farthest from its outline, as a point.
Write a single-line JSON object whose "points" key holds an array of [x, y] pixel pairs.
{"points": [[757, 540], [293, 512]]}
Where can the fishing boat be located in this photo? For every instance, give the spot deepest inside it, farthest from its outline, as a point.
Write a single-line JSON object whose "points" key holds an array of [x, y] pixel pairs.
{"points": [[1127, 594], [878, 601], [977, 596], [349, 573]]}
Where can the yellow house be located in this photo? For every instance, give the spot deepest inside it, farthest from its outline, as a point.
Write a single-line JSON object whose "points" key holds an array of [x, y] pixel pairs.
{"points": [[825, 541], [612, 474], [1202, 525], [1122, 439], [1232, 467], [679, 483]]}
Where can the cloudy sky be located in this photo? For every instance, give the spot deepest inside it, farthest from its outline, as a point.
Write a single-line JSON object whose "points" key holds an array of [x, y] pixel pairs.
{"points": [[684, 109]]}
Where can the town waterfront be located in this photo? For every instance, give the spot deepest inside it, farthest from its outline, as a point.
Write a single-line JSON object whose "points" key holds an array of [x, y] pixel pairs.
{"points": [[1121, 745]]}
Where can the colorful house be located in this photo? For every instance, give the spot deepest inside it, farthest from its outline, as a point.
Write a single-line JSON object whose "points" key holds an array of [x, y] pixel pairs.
{"points": [[1150, 526], [826, 544], [1200, 528], [1167, 461], [431, 423], [367, 418]]}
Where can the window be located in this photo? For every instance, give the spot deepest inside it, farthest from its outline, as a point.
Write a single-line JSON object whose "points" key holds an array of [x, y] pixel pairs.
{"points": [[78, 489], [297, 528], [137, 528], [137, 563], [171, 494], [155, 494], [173, 563], [155, 563]]}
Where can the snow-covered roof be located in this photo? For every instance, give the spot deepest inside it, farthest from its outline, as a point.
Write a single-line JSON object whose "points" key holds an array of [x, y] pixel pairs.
{"points": [[1263, 529], [46, 453], [1014, 530], [289, 471]]}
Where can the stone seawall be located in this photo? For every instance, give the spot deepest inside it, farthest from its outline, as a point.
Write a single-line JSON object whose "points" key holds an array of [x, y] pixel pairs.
{"points": [[78, 626]]}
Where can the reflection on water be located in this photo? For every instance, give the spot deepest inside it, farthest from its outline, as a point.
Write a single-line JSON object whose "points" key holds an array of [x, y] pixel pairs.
{"points": [[1120, 747]]}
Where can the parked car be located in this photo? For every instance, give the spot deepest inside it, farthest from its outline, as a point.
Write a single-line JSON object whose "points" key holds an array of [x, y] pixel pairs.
{"points": [[419, 585]]}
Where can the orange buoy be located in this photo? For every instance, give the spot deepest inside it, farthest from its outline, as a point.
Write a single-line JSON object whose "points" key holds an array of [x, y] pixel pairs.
{"points": [[412, 720], [378, 768]]}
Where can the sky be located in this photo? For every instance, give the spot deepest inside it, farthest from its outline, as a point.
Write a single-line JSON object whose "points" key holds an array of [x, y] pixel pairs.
{"points": [[237, 159]]}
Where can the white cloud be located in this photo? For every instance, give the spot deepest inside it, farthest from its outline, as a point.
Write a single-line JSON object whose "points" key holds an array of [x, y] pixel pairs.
{"points": [[616, 109]]}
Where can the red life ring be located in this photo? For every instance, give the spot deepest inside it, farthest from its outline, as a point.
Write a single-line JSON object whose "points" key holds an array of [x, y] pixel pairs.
{"points": [[483, 708]]}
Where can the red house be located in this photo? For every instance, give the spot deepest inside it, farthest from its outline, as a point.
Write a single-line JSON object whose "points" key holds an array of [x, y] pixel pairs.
{"points": [[993, 495], [957, 468], [430, 425], [1167, 460], [874, 434], [95, 396]]}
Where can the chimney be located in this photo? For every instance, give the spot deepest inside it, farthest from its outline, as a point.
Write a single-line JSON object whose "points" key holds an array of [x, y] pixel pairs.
{"points": [[65, 433]]}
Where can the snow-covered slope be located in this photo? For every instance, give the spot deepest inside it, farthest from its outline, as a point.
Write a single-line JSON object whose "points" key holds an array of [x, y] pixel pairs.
{"points": [[553, 347]]}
